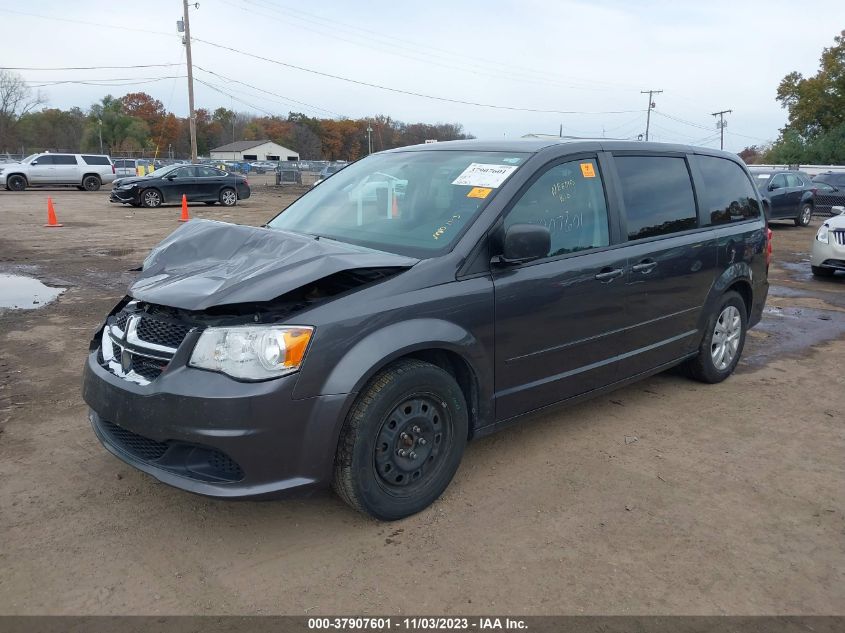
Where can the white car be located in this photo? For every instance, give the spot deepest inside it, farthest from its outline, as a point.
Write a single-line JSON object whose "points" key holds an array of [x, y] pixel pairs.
{"points": [[86, 171], [828, 252]]}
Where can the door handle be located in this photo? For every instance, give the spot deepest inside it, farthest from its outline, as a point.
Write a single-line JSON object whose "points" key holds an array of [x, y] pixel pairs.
{"points": [[644, 267], [609, 275]]}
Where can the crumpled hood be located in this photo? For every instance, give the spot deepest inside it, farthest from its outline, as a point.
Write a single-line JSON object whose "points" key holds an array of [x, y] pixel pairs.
{"points": [[127, 180], [205, 263]]}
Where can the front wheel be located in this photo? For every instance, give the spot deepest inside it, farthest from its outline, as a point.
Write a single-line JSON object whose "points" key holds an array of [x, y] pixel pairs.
{"points": [[228, 197], [805, 216], [723, 341], [402, 441], [16, 183], [151, 198]]}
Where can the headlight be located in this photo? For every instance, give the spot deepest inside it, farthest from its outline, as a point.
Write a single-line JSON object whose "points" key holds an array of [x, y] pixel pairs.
{"points": [[821, 236], [252, 352], [128, 185]]}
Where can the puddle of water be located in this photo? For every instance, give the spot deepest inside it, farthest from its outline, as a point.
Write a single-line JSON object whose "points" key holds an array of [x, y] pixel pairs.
{"points": [[25, 293]]}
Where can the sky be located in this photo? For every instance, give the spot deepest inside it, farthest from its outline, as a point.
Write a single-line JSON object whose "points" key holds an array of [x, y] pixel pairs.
{"points": [[543, 63]]}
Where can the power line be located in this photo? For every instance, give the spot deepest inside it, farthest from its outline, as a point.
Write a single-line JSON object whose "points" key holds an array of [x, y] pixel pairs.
{"points": [[399, 90], [73, 21], [120, 81], [275, 94], [33, 68]]}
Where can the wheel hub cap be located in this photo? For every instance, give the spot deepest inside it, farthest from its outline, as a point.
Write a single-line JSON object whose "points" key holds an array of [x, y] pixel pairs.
{"points": [[726, 336]]}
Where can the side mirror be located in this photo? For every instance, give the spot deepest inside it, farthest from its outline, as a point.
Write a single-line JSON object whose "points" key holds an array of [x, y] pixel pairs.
{"points": [[772, 187], [524, 243]]}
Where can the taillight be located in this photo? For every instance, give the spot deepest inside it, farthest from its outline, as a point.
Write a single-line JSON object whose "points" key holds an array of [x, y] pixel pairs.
{"points": [[769, 236]]}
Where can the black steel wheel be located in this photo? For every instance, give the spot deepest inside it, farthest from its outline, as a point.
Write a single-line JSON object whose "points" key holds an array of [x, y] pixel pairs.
{"points": [[16, 183], [402, 441]]}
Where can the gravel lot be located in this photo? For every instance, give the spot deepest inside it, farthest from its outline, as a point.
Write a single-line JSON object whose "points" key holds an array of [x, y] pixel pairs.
{"points": [[667, 497]]}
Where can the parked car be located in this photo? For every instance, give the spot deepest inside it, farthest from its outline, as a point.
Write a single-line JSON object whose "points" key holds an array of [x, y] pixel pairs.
{"points": [[199, 183], [789, 193], [86, 171], [124, 167], [830, 192], [327, 171], [828, 251], [360, 342]]}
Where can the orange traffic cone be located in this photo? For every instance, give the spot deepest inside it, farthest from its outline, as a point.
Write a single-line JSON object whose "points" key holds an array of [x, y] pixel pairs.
{"points": [[395, 208], [185, 216], [52, 222]]}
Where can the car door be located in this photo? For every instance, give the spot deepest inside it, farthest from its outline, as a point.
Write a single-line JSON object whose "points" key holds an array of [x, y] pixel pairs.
{"points": [[209, 183], [778, 194], [795, 192], [66, 169], [672, 264], [41, 170], [179, 182], [553, 316]]}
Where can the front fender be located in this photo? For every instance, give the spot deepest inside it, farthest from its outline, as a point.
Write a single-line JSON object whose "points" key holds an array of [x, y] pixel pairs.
{"points": [[377, 349]]}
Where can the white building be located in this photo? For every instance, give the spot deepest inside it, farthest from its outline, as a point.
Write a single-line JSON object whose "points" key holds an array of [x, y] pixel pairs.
{"points": [[253, 150]]}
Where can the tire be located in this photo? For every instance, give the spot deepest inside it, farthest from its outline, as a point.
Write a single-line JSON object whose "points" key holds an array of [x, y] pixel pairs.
{"points": [[16, 183], [708, 366], [151, 198], [228, 197], [91, 183], [805, 216], [211, 202], [819, 271], [402, 441]]}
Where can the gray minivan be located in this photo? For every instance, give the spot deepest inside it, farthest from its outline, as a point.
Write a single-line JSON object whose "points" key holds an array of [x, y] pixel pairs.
{"points": [[417, 299]]}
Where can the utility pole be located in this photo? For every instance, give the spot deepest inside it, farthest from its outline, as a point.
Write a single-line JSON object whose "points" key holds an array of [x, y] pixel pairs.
{"points": [[651, 104], [721, 124], [100, 127], [192, 120]]}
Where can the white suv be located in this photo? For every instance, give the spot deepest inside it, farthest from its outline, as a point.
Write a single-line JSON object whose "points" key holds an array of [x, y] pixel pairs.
{"points": [[828, 252], [86, 171]]}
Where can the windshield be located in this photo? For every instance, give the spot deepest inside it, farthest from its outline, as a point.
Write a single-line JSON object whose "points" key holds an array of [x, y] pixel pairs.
{"points": [[410, 203], [162, 171], [761, 180]]}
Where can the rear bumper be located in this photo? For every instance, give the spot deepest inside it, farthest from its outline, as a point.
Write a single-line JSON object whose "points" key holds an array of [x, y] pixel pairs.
{"points": [[208, 434]]}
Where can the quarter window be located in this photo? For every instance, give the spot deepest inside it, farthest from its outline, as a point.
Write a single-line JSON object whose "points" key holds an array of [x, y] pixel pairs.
{"points": [[95, 160], [568, 199], [658, 195], [728, 194]]}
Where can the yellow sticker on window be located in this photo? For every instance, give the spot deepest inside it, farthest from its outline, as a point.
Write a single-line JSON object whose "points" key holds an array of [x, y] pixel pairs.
{"points": [[479, 192], [587, 170]]}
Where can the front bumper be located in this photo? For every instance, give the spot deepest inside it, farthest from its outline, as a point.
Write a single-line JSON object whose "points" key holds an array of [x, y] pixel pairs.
{"points": [[830, 255], [206, 433], [125, 196]]}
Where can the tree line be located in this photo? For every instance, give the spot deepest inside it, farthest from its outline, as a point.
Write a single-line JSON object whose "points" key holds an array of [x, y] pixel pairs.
{"points": [[136, 124], [815, 128]]}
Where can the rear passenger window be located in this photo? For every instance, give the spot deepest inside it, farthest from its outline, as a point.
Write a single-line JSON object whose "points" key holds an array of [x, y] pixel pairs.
{"points": [[95, 160], [64, 159], [658, 195], [568, 199], [728, 194]]}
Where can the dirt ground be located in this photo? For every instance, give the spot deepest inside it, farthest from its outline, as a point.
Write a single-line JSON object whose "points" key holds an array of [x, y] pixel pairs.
{"points": [[667, 497]]}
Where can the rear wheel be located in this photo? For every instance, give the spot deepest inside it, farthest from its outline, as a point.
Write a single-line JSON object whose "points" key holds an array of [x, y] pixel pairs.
{"points": [[228, 197], [723, 341], [16, 183], [805, 216], [402, 441], [151, 198], [819, 271], [91, 183]]}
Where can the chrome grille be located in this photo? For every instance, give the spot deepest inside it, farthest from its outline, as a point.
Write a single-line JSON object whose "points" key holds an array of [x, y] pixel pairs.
{"points": [[839, 236], [137, 346]]}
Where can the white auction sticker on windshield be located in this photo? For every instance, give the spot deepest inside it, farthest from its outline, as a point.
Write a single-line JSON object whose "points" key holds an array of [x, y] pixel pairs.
{"points": [[484, 175]]}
